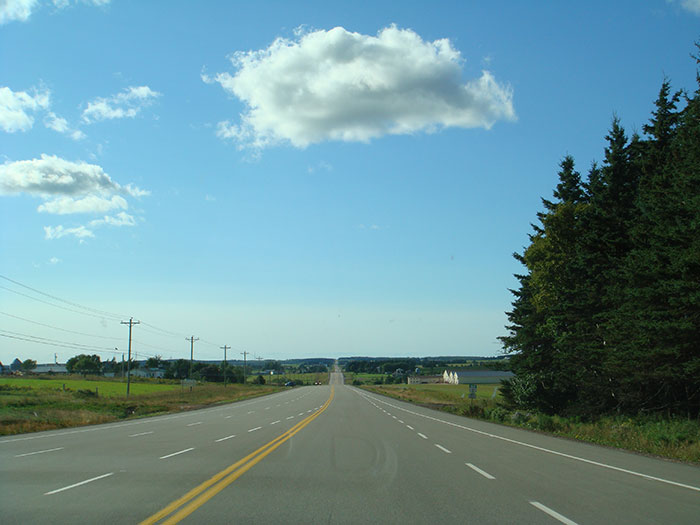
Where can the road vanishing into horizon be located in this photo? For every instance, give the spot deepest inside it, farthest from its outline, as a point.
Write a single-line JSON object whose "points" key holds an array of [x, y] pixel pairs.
{"points": [[331, 454]]}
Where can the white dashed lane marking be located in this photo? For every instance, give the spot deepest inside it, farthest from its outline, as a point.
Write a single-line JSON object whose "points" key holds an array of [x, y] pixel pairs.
{"points": [[38, 452], [176, 453], [78, 484], [554, 514], [477, 469]]}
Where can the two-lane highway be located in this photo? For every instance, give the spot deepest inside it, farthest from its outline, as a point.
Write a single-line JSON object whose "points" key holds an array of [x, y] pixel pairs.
{"points": [[332, 454]]}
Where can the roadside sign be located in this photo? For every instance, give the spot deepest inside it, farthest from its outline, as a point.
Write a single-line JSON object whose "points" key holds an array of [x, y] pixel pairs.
{"points": [[472, 391]]}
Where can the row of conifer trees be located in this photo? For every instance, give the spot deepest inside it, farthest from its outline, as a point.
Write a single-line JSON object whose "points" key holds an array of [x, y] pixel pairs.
{"points": [[607, 314]]}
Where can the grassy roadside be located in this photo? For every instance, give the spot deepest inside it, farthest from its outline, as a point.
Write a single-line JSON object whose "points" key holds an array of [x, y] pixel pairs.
{"points": [[30, 408], [677, 439]]}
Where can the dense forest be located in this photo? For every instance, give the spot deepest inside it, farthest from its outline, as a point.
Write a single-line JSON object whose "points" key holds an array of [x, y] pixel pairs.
{"points": [[606, 318]]}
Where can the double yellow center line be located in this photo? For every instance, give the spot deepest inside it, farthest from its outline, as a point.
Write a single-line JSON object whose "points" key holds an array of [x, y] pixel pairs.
{"points": [[198, 496]]}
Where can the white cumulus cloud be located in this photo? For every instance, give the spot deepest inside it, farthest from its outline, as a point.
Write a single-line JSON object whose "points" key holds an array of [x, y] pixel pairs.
{"points": [[69, 188], [16, 108], [89, 204], [338, 85], [51, 175], [126, 104], [20, 10]]}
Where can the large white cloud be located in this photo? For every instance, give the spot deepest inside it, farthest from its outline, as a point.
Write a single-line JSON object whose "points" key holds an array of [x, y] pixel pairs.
{"points": [[338, 85], [16, 108], [126, 104]]}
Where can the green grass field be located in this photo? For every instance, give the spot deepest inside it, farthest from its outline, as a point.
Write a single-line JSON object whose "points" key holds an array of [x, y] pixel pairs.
{"points": [[30, 404], [440, 394], [105, 388], [365, 378]]}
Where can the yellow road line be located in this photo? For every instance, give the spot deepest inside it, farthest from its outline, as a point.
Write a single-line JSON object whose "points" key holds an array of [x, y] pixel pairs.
{"points": [[219, 481]]}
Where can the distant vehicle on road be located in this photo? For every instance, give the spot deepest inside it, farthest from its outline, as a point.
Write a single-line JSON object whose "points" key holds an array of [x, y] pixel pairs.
{"points": [[289, 383]]}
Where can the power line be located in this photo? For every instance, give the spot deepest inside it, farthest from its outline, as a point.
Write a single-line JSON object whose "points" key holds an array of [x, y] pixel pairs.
{"points": [[53, 342], [61, 329], [167, 332], [51, 304], [103, 313]]}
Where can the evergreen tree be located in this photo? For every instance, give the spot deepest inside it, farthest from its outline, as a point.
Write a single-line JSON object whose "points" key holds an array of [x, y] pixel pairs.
{"points": [[607, 315]]}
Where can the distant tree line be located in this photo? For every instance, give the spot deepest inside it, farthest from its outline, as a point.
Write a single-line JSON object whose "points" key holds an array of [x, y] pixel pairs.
{"points": [[606, 317]]}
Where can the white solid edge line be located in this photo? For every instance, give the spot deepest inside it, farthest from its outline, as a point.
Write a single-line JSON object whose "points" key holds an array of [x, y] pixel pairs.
{"points": [[443, 449], [552, 513], [224, 439], [38, 452], [254, 429], [78, 484], [422, 435], [482, 472], [542, 449], [176, 453], [141, 434]]}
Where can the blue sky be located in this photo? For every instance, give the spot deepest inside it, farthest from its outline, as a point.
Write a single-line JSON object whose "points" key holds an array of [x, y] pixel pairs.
{"points": [[299, 179]]}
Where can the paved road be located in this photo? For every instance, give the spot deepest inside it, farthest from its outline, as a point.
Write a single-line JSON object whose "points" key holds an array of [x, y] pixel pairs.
{"points": [[331, 454]]}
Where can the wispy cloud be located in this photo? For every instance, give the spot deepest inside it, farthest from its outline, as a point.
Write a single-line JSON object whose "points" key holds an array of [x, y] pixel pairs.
{"points": [[59, 124], [337, 85], [56, 232], [126, 104], [320, 166], [120, 219], [691, 5], [21, 10]]}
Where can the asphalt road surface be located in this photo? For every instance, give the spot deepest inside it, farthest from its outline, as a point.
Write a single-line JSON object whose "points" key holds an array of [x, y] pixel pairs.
{"points": [[331, 454]]}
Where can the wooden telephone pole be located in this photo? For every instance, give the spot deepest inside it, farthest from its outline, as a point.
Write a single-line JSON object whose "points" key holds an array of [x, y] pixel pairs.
{"points": [[131, 323], [224, 348]]}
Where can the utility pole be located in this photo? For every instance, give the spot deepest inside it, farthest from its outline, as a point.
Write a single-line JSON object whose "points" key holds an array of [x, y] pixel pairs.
{"points": [[244, 354], [122, 365], [224, 348], [191, 340], [131, 323]]}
